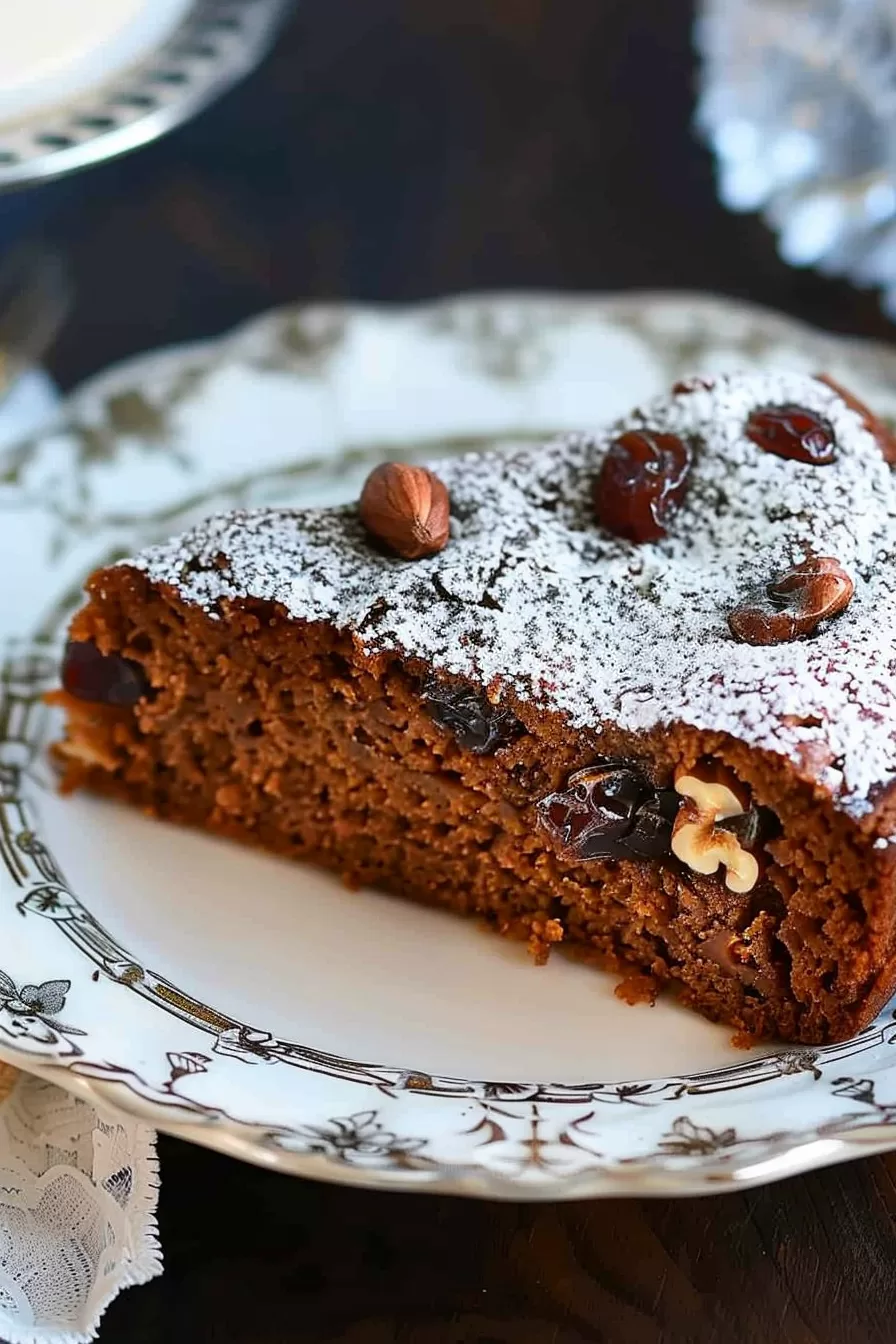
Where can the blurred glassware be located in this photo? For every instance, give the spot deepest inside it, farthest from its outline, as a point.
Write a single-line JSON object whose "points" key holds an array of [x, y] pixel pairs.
{"points": [[35, 297], [798, 101]]}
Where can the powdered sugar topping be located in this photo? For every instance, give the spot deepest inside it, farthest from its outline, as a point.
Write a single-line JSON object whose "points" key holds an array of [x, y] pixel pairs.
{"points": [[532, 594]]}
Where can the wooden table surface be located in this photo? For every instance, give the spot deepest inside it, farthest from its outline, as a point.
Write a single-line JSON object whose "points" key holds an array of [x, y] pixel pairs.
{"points": [[395, 149]]}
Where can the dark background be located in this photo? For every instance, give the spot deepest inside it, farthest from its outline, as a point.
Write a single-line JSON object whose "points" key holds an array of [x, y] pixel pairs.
{"points": [[397, 149]]}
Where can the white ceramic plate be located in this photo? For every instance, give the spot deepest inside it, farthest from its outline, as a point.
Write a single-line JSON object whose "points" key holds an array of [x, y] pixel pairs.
{"points": [[257, 1007]]}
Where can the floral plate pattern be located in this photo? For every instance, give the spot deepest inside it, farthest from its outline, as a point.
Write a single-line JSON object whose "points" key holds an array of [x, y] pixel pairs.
{"points": [[130, 972]]}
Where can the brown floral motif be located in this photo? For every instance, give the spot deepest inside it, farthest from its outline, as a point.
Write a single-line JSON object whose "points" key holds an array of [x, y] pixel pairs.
{"points": [[28, 1014], [303, 342], [356, 1140], [857, 1089], [863, 1090], [685, 1139], [47, 900], [183, 1064], [523, 1142]]}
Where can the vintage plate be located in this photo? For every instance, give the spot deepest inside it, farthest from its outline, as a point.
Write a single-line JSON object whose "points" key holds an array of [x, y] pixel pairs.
{"points": [[106, 83], [257, 1007]]}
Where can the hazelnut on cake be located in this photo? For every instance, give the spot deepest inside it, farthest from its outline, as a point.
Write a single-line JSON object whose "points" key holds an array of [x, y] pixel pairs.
{"points": [[632, 692]]}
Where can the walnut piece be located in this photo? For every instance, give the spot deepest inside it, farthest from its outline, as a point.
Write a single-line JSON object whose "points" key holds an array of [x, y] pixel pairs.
{"points": [[713, 794]]}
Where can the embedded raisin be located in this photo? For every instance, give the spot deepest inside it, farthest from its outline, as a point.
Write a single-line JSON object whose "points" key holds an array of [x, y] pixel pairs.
{"points": [[610, 810], [477, 724], [641, 484], [752, 829], [793, 432], [651, 833], [102, 678]]}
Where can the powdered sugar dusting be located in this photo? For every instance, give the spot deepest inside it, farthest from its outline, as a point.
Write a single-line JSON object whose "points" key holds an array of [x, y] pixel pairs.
{"points": [[532, 594]]}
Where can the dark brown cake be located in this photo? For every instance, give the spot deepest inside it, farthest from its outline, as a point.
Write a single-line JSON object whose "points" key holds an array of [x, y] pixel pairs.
{"points": [[641, 703]]}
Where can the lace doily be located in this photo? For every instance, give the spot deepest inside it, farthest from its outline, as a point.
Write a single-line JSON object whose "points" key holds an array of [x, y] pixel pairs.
{"points": [[78, 1193]]}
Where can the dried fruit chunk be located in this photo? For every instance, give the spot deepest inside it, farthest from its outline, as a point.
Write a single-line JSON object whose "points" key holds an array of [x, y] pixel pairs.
{"points": [[792, 604], [478, 725], [651, 833], [609, 811], [406, 508], [102, 678], [641, 484], [793, 432], [712, 796], [883, 435]]}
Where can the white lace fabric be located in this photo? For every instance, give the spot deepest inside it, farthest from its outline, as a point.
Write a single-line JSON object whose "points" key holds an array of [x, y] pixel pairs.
{"points": [[78, 1195], [78, 1190]]}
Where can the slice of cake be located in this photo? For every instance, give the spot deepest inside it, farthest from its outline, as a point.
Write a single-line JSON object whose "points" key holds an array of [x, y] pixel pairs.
{"points": [[635, 693]]}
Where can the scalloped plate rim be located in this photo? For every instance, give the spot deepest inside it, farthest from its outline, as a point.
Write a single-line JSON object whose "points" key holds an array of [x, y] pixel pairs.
{"points": [[807, 1151]]}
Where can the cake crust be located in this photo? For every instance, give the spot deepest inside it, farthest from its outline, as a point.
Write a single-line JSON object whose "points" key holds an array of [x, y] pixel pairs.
{"points": [[529, 584]]}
